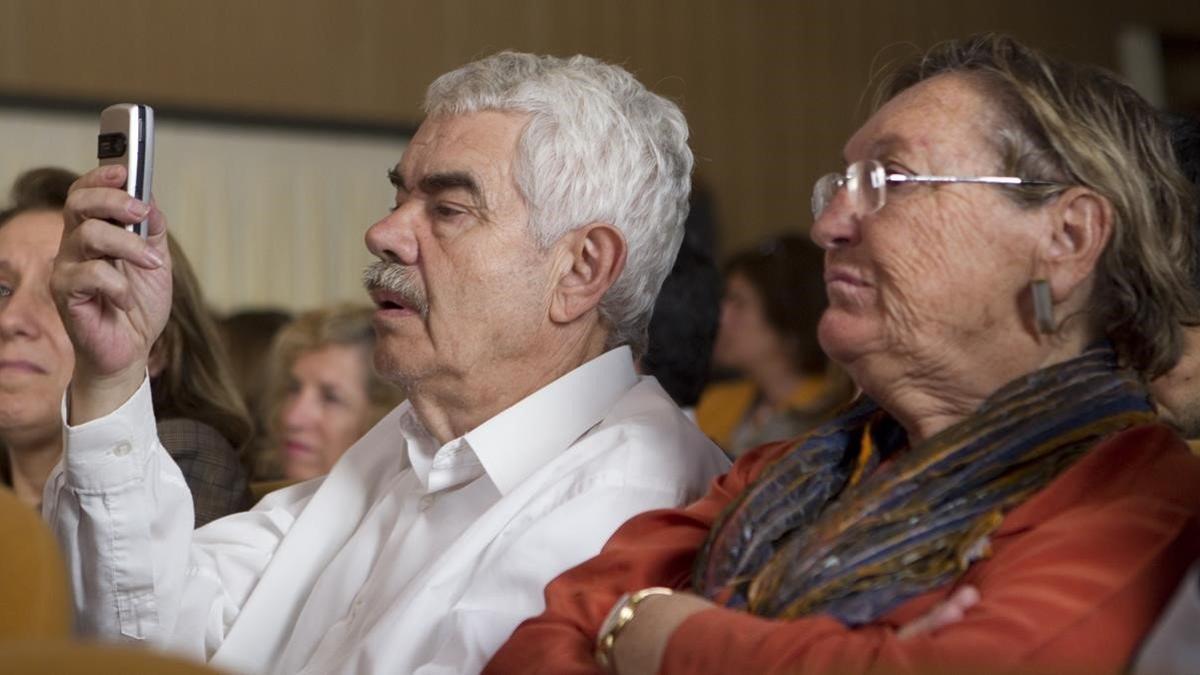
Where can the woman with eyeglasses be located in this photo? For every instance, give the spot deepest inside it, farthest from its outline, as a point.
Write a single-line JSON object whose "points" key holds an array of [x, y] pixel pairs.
{"points": [[1005, 267]]}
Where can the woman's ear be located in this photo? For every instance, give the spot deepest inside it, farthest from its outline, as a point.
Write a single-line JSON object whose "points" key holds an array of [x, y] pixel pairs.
{"points": [[157, 362], [594, 259], [1081, 227]]}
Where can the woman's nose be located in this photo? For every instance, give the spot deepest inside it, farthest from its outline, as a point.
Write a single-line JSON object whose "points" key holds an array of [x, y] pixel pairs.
{"points": [[299, 411], [21, 312], [837, 226]]}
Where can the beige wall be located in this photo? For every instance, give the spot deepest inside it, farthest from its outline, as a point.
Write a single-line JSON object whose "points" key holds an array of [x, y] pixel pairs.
{"points": [[771, 88]]}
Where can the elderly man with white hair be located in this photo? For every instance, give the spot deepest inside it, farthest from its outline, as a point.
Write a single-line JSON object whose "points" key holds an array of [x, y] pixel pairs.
{"points": [[538, 209]]}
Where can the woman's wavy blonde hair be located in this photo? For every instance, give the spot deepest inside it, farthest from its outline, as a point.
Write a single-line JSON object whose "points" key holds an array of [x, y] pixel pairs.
{"points": [[1080, 125]]}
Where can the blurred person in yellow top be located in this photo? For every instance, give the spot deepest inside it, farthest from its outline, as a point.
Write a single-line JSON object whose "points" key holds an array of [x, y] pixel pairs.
{"points": [[774, 296]]}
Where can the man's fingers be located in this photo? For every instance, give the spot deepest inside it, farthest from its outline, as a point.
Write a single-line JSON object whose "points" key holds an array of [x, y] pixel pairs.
{"points": [[96, 239], [112, 175], [94, 279], [156, 223], [104, 203]]}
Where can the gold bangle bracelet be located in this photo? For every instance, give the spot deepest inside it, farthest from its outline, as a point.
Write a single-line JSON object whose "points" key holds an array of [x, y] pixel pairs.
{"points": [[618, 617]]}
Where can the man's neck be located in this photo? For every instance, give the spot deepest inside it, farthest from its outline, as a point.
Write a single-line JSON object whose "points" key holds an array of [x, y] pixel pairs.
{"points": [[450, 407], [30, 464]]}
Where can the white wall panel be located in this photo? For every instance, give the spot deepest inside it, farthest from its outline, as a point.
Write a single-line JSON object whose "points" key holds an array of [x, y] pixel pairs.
{"points": [[268, 218]]}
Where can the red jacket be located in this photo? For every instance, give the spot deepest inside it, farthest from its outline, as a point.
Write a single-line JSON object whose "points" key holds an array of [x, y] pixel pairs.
{"points": [[1077, 575]]}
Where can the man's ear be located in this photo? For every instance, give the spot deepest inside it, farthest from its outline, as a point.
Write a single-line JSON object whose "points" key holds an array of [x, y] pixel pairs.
{"points": [[594, 258], [1081, 226]]}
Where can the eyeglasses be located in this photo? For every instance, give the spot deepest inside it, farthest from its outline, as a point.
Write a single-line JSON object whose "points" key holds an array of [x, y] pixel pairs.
{"points": [[866, 184]]}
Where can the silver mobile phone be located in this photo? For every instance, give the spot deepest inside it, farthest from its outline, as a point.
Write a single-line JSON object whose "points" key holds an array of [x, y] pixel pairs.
{"points": [[127, 138]]}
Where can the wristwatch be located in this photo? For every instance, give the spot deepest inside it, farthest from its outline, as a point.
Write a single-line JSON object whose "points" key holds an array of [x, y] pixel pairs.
{"points": [[618, 617]]}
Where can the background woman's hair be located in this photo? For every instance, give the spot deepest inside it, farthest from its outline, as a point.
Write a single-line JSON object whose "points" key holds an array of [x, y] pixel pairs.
{"points": [[196, 381], [1080, 125], [42, 189], [787, 272]]}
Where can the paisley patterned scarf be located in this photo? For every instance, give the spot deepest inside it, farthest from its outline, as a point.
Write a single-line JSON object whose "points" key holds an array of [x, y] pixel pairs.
{"points": [[810, 537]]}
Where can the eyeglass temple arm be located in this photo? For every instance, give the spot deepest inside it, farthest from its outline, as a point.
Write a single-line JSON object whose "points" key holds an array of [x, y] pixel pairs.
{"points": [[994, 180]]}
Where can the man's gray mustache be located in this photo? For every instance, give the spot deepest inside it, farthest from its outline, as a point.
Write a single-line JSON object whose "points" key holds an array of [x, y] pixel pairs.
{"points": [[399, 279]]}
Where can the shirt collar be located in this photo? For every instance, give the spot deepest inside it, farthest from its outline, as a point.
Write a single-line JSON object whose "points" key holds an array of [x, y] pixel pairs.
{"points": [[523, 438], [422, 447]]}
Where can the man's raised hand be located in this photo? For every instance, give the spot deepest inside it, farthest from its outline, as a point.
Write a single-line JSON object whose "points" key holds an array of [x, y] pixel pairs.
{"points": [[112, 288]]}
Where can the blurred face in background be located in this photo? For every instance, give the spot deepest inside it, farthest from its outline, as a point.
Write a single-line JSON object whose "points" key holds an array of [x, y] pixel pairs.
{"points": [[745, 337], [325, 409], [36, 358]]}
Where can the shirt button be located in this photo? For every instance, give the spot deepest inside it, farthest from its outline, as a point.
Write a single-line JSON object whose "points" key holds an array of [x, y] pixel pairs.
{"points": [[121, 449]]}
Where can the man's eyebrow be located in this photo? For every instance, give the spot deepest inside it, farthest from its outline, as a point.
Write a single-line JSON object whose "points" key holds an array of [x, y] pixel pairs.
{"points": [[396, 179], [453, 180]]}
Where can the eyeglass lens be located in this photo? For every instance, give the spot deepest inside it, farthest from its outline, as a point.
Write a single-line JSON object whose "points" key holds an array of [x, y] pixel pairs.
{"points": [[866, 187]]}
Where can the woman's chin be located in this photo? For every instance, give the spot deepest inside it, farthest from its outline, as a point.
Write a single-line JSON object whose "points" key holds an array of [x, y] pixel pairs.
{"points": [[298, 470], [845, 336]]}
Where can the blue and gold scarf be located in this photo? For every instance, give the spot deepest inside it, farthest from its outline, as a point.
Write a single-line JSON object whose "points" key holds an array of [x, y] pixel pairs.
{"points": [[810, 537]]}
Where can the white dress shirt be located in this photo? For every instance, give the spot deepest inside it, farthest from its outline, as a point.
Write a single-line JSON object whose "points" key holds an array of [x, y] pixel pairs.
{"points": [[406, 558]]}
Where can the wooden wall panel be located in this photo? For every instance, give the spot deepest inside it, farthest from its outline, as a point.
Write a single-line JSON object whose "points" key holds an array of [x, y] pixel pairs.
{"points": [[771, 88]]}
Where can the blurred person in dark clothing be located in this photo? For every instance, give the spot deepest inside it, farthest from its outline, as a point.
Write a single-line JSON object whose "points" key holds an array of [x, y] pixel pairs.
{"points": [[684, 326]]}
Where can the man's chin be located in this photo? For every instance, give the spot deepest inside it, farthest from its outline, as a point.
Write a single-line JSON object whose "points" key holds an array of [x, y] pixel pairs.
{"points": [[400, 361]]}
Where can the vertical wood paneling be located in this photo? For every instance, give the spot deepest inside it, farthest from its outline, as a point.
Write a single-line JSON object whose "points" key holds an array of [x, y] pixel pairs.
{"points": [[771, 87]]}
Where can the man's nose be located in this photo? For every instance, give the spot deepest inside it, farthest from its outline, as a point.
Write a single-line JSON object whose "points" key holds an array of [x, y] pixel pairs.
{"points": [[394, 238]]}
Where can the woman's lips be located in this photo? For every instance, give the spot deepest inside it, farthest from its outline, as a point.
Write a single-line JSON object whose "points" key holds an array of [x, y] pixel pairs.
{"points": [[21, 366], [845, 287], [296, 448], [844, 276]]}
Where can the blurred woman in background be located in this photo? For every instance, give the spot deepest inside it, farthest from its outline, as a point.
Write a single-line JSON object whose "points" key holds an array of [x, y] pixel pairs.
{"points": [[248, 335], [325, 391], [202, 420], [774, 296]]}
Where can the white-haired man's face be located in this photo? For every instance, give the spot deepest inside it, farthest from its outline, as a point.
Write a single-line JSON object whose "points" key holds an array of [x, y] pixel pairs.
{"points": [[460, 284]]}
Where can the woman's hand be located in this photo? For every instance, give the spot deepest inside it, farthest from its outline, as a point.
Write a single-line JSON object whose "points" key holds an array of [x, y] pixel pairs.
{"points": [[947, 612], [112, 289], [639, 647]]}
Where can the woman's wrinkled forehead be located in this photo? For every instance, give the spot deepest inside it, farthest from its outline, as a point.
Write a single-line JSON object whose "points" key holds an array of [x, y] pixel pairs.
{"points": [[939, 119]]}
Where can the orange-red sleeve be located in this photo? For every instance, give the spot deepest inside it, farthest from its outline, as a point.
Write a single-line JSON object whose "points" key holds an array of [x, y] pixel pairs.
{"points": [[1073, 595], [656, 548]]}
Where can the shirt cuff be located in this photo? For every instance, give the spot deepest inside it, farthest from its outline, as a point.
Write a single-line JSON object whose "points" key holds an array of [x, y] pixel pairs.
{"points": [[110, 451]]}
